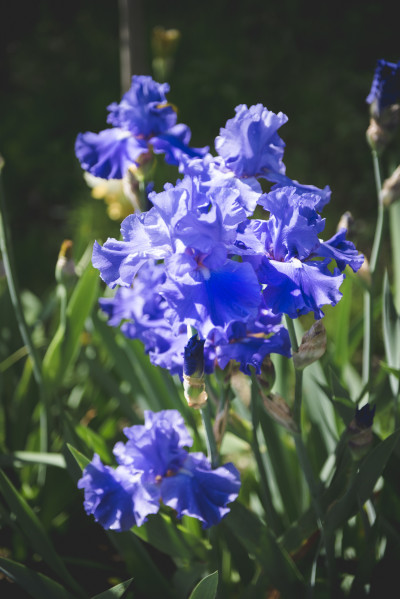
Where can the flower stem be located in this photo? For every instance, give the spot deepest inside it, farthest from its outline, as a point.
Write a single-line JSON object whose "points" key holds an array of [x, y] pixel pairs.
{"points": [[370, 293], [210, 439], [266, 497], [298, 389]]}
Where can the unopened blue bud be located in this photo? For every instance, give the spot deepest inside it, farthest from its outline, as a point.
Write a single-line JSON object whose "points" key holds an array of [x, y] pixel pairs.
{"points": [[364, 416], [193, 357], [193, 373]]}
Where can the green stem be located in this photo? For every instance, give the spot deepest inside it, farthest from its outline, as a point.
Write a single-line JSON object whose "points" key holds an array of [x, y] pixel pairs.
{"points": [[266, 497], [369, 295], [298, 389], [210, 439]]}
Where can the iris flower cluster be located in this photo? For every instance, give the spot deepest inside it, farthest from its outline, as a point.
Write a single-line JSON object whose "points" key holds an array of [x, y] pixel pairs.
{"points": [[199, 257], [153, 467]]}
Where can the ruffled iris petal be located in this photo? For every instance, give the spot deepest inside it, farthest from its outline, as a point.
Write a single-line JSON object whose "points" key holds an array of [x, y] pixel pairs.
{"points": [[296, 287], [108, 154], [230, 293], [197, 491], [341, 250], [108, 495], [251, 351], [174, 144], [144, 109], [145, 236], [250, 144], [323, 196]]}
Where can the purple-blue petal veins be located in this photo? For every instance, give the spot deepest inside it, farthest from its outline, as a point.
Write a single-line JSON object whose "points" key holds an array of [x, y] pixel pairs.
{"points": [[154, 467], [193, 357], [250, 144], [385, 89]]}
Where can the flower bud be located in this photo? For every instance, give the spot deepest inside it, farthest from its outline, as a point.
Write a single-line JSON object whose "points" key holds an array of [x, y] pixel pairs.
{"points": [[346, 221], [360, 431], [390, 191], [193, 373], [112, 191], [382, 128], [279, 411], [267, 376], [65, 267], [312, 347], [164, 44], [220, 423], [365, 273]]}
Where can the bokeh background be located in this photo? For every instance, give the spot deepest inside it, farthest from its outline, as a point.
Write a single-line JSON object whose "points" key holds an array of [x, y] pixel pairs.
{"points": [[60, 68]]}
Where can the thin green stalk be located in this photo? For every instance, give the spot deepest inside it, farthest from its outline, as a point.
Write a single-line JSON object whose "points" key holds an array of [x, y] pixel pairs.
{"points": [[370, 294], [266, 497], [298, 389], [312, 483], [6, 250], [210, 439]]}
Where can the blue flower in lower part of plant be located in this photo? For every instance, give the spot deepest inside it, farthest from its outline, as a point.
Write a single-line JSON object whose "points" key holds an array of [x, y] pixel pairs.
{"points": [[154, 466], [143, 122], [113, 496], [385, 89]]}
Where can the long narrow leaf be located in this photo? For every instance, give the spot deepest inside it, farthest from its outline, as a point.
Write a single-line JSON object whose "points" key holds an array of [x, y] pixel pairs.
{"points": [[65, 344], [31, 526], [260, 542], [35, 584], [363, 482], [33, 457]]}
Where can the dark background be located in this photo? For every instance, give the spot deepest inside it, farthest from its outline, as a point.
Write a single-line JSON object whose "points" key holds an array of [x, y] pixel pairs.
{"points": [[59, 69]]}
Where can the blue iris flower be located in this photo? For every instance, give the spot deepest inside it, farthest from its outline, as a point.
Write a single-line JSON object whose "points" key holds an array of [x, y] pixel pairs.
{"points": [[287, 254], [195, 235], [385, 89], [154, 466], [143, 122]]}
